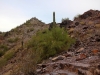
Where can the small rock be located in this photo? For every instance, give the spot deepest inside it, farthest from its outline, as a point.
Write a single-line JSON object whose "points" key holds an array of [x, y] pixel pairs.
{"points": [[95, 51], [97, 72], [58, 58], [81, 57], [67, 55], [41, 65], [80, 50], [70, 53], [38, 70], [54, 59], [89, 73]]}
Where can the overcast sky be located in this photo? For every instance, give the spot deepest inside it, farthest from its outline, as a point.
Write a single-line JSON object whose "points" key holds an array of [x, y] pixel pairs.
{"points": [[15, 12]]}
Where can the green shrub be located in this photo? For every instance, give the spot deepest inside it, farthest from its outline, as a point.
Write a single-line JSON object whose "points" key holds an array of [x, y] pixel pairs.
{"points": [[64, 19], [30, 30], [3, 49], [43, 45], [28, 23], [49, 43], [1, 52], [2, 62], [77, 16], [9, 54]]}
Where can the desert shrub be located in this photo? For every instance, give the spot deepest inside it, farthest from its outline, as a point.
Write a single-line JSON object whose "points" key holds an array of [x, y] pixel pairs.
{"points": [[2, 62], [9, 54], [30, 29], [27, 23], [0, 32], [1, 52], [12, 40], [27, 66], [51, 42], [43, 45], [14, 30], [97, 25], [3, 49], [64, 19], [77, 16], [76, 23], [82, 23]]}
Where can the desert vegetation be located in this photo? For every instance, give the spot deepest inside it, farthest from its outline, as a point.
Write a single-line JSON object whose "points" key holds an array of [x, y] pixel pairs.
{"points": [[3, 49], [36, 48], [45, 44], [49, 43], [6, 56]]}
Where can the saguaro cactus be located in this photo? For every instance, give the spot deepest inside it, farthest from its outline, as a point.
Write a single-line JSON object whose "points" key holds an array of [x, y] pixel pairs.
{"points": [[54, 23]]}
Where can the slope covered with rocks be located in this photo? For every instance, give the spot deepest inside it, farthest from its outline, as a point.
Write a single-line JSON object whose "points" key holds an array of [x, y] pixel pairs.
{"points": [[13, 44], [84, 57]]}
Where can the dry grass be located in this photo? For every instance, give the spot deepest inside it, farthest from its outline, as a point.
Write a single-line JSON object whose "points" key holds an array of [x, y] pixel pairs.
{"points": [[89, 31], [8, 55], [90, 22], [97, 25], [71, 30], [82, 23]]}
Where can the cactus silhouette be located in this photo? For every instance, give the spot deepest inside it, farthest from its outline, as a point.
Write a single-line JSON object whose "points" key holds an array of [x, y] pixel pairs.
{"points": [[54, 23]]}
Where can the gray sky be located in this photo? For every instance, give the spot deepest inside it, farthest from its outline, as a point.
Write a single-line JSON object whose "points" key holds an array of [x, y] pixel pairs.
{"points": [[15, 12]]}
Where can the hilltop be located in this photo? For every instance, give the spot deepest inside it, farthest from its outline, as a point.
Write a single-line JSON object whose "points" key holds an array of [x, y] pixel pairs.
{"points": [[82, 58], [11, 42]]}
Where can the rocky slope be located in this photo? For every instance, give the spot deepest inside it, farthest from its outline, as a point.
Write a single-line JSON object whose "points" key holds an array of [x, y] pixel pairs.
{"points": [[84, 57], [13, 40]]}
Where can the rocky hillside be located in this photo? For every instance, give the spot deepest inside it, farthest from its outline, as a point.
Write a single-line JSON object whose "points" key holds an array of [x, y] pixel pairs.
{"points": [[84, 57], [21, 33], [13, 42], [86, 29]]}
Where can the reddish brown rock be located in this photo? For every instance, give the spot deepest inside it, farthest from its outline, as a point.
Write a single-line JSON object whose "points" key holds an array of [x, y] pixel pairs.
{"points": [[81, 57]]}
